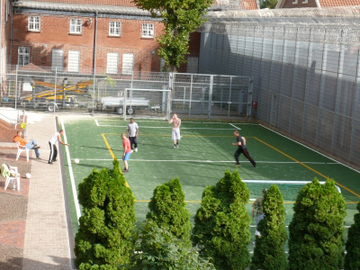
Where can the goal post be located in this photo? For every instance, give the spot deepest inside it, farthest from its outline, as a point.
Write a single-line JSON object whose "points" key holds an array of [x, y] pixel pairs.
{"points": [[147, 103]]}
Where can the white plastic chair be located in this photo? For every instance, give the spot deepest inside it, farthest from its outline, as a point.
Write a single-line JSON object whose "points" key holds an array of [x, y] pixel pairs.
{"points": [[22, 149], [11, 174]]}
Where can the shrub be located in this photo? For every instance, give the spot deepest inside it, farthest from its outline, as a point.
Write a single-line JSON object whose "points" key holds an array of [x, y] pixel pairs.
{"points": [[157, 248], [104, 237], [269, 250], [168, 211], [316, 230], [222, 223], [352, 258]]}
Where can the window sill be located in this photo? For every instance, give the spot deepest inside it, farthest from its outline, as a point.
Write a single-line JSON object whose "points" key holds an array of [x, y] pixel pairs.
{"points": [[110, 36], [147, 38], [76, 34], [34, 31]]}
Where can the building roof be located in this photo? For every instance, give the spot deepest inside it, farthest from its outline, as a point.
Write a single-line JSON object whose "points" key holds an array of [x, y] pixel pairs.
{"points": [[82, 8], [326, 3]]}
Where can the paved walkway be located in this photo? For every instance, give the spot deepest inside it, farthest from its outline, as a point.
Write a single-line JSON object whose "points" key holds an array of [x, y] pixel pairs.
{"points": [[45, 240]]}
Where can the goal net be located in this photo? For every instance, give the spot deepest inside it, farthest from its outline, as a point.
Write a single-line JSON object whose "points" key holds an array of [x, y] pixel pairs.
{"points": [[145, 103]]}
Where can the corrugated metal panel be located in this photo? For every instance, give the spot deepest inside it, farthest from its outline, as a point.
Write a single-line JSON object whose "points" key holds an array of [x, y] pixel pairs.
{"points": [[112, 63], [73, 61], [57, 60]]}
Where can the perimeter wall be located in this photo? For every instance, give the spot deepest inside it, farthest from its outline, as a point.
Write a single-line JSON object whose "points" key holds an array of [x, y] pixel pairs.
{"points": [[305, 70]]}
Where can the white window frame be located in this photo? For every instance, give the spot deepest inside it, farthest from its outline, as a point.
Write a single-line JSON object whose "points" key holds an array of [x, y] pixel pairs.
{"points": [[114, 29], [295, 2], [57, 59], [72, 68], [147, 30], [34, 23], [111, 65], [305, 1], [76, 26], [127, 68], [23, 56]]}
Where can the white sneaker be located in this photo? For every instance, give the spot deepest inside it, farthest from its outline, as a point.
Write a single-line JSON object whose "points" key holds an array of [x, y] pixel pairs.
{"points": [[136, 150]]}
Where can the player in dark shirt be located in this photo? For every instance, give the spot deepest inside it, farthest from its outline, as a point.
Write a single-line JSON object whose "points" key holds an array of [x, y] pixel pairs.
{"points": [[241, 143]]}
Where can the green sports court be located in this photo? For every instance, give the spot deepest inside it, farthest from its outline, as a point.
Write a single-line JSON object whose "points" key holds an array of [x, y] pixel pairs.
{"points": [[205, 152]]}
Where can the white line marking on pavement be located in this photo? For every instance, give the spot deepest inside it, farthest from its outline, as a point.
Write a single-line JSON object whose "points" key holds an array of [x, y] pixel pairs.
{"points": [[235, 126]]}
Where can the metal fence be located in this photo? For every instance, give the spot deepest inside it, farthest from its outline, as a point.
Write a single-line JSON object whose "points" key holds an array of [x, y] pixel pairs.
{"points": [[306, 71], [197, 95]]}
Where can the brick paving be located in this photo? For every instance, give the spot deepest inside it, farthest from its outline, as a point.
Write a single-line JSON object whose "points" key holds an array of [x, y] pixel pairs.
{"points": [[37, 231]]}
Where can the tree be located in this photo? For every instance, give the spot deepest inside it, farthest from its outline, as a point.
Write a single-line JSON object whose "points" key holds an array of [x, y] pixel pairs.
{"points": [[268, 4], [104, 237], [352, 258], [157, 248], [168, 211], [316, 230], [222, 223], [180, 18], [269, 250]]}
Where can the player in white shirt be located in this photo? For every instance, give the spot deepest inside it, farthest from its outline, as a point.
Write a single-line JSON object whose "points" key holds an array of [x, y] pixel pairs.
{"points": [[132, 131], [52, 143], [176, 121]]}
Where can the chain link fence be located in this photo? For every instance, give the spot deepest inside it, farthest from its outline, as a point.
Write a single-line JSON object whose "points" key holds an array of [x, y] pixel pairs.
{"points": [[305, 66], [195, 95]]}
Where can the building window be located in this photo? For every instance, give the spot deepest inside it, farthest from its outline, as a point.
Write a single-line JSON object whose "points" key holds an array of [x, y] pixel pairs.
{"points": [[295, 2], [73, 61], [112, 63], [115, 29], [147, 30], [127, 63], [305, 2], [75, 26], [23, 56], [57, 61], [34, 23]]}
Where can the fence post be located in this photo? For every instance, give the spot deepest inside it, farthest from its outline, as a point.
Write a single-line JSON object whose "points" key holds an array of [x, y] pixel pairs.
{"points": [[249, 99], [54, 89], [210, 95]]}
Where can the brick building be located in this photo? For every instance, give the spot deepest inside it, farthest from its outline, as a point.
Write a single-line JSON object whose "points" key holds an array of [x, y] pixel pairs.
{"points": [[105, 36], [5, 23], [316, 3]]}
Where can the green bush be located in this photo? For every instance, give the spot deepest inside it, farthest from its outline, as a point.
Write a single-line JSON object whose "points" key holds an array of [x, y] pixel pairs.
{"points": [[316, 230], [352, 258], [168, 211], [222, 223], [157, 248], [269, 252], [104, 237]]}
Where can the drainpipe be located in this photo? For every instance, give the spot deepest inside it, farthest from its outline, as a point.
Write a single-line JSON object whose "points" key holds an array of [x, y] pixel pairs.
{"points": [[94, 60]]}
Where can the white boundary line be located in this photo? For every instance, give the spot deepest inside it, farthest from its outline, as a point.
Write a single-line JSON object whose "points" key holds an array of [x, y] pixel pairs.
{"points": [[311, 149], [73, 186], [96, 122], [235, 126], [191, 122], [169, 127], [214, 161]]}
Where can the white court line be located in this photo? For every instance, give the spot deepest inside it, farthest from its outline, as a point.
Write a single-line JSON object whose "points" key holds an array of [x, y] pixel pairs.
{"points": [[338, 162], [235, 126], [96, 122], [73, 186], [214, 161], [169, 127], [184, 121]]}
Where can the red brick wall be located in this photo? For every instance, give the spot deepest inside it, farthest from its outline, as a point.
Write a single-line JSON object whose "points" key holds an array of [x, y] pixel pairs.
{"points": [[8, 131], [54, 33]]}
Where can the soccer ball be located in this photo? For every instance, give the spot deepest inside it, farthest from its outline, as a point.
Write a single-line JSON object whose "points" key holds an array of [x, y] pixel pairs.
{"points": [[76, 160], [28, 175]]}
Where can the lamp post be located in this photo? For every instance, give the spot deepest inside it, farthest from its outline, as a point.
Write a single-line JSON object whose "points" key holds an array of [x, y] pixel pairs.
{"points": [[65, 82]]}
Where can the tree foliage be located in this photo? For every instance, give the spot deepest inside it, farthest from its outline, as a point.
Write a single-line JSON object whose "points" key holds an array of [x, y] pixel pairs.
{"points": [[157, 248], [168, 211], [316, 230], [352, 258], [271, 4], [104, 237], [180, 18], [269, 250], [222, 223]]}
